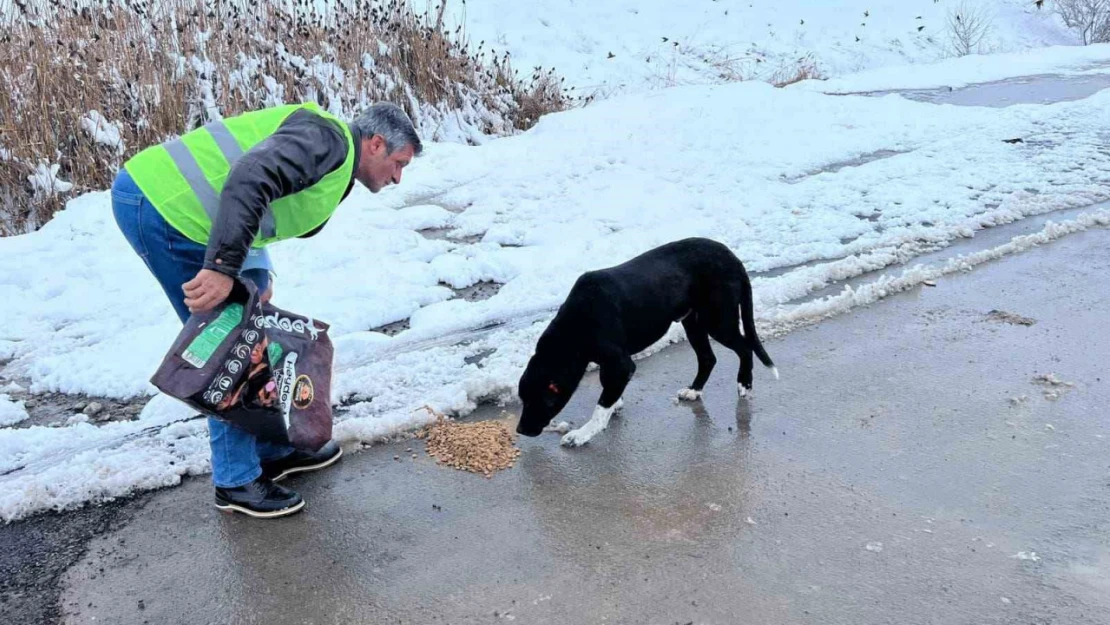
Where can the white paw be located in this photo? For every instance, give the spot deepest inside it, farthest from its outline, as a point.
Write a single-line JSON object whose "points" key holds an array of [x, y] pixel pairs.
{"points": [[775, 370], [620, 404], [561, 427], [743, 391], [575, 438], [689, 394]]}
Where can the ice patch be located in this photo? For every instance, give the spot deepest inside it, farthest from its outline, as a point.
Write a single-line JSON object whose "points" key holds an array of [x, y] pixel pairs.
{"points": [[1067, 60]]}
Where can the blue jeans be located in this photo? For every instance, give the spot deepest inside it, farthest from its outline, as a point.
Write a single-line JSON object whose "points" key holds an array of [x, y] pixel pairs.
{"points": [[174, 260]]}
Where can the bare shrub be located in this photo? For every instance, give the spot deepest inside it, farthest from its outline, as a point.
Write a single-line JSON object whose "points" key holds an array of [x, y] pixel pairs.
{"points": [[87, 87], [968, 26], [1090, 18]]}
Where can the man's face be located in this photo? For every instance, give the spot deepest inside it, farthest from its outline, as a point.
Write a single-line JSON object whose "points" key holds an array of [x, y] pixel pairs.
{"points": [[376, 169]]}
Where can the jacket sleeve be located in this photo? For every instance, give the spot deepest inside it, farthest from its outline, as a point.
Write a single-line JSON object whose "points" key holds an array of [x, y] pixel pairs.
{"points": [[304, 149]]}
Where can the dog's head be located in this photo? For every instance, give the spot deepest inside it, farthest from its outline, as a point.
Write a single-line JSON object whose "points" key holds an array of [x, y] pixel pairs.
{"points": [[546, 386]]}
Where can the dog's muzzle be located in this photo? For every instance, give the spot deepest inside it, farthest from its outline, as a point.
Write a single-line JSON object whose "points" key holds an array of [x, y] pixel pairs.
{"points": [[530, 432]]}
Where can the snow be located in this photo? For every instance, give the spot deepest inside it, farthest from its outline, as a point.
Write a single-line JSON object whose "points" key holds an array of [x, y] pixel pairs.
{"points": [[103, 131], [11, 412], [45, 180], [707, 40], [54, 468]]}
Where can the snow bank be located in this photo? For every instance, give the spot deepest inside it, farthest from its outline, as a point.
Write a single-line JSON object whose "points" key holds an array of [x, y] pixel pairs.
{"points": [[786, 178], [786, 318]]}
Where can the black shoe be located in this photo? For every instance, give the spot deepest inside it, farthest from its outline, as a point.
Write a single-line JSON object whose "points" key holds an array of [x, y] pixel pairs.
{"points": [[300, 461], [261, 499]]}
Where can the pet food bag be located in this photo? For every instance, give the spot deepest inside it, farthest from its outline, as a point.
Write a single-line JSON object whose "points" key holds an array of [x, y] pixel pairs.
{"points": [[260, 368]]}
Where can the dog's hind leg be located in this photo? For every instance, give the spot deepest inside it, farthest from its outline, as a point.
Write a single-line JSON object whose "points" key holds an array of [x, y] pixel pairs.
{"points": [[699, 340], [724, 327], [615, 373]]}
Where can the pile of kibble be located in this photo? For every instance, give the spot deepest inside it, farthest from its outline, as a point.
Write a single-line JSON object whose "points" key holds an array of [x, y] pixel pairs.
{"points": [[482, 447]]}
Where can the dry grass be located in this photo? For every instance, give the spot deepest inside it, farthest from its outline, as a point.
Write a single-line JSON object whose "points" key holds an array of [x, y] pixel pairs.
{"points": [[716, 64], [804, 68], [726, 64], [158, 69]]}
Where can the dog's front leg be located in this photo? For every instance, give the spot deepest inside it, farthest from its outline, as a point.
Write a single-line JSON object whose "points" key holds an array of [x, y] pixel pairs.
{"points": [[616, 371]]}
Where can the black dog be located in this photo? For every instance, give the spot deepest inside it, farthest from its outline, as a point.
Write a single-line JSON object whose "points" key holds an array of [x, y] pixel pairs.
{"points": [[612, 314]]}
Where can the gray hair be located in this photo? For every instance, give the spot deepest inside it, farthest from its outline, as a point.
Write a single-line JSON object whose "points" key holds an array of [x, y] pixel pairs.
{"points": [[392, 123]]}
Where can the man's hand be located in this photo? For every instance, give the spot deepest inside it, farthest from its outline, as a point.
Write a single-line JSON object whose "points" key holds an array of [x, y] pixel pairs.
{"points": [[207, 290]]}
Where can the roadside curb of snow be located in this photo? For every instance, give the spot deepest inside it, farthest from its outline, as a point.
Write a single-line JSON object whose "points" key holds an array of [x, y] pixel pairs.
{"points": [[783, 319]]}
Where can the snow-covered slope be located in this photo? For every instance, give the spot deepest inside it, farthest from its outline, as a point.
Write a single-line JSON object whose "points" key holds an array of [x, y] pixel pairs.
{"points": [[660, 42]]}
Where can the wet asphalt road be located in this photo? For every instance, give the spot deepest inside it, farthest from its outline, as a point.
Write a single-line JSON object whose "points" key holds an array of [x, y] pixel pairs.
{"points": [[892, 475]]}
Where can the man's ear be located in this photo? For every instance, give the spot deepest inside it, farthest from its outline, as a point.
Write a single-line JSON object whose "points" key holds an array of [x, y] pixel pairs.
{"points": [[377, 145]]}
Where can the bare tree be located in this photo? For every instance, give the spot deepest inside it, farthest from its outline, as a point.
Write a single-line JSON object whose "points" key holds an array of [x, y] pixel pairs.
{"points": [[1091, 18], [968, 25]]}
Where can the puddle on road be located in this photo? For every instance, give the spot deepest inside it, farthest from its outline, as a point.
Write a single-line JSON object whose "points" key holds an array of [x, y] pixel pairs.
{"points": [[1040, 89]]}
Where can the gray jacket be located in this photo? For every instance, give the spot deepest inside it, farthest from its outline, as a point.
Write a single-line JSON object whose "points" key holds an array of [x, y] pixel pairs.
{"points": [[304, 149]]}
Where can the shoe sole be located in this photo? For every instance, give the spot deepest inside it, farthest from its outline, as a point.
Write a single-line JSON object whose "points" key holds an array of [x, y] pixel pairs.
{"points": [[313, 467], [232, 508]]}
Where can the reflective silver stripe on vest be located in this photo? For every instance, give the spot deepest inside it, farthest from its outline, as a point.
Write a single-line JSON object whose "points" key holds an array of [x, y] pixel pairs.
{"points": [[189, 168], [200, 185], [224, 139], [231, 151]]}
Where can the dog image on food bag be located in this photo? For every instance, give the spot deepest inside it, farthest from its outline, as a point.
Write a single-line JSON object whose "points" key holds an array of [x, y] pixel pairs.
{"points": [[612, 314], [257, 384]]}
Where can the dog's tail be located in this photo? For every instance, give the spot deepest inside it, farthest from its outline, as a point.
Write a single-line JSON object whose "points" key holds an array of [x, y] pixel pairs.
{"points": [[747, 319]]}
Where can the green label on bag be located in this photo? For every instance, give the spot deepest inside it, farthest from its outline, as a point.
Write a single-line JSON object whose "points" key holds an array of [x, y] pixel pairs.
{"points": [[212, 335], [274, 351]]}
